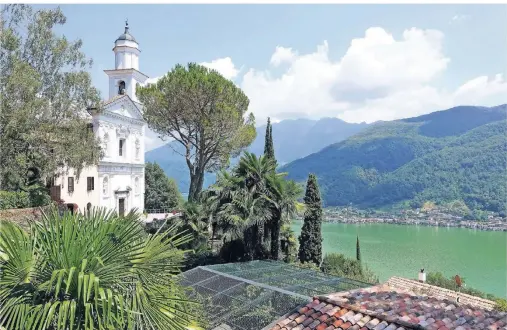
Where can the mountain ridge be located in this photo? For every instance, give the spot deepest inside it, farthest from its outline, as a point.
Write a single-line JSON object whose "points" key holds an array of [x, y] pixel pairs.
{"points": [[362, 169]]}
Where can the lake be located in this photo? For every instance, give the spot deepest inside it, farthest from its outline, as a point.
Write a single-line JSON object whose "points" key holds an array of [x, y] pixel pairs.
{"points": [[480, 257]]}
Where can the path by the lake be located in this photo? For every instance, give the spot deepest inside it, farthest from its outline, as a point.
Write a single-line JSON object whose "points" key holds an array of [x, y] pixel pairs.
{"points": [[480, 257]]}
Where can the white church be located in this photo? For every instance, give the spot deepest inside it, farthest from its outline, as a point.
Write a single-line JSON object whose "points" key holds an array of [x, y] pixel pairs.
{"points": [[117, 182]]}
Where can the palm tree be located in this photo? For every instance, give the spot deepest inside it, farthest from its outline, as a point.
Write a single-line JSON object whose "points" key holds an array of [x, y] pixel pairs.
{"points": [[283, 197], [93, 271]]}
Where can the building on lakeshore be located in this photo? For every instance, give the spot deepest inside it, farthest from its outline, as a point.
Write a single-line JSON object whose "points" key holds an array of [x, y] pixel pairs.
{"points": [[117, 181]]}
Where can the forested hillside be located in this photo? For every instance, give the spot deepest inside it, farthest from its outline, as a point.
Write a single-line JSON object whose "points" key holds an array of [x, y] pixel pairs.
{"points": [[456, 154]]}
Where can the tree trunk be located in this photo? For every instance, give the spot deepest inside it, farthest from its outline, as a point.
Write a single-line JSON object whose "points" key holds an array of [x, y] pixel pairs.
{"points": [[267, 236], [196, 183], [259, 240], [275, 238]]}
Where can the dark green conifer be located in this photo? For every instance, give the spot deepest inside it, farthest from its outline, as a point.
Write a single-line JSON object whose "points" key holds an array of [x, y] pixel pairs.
{"points": [[310, 240], [358, 250], [269, 150]]}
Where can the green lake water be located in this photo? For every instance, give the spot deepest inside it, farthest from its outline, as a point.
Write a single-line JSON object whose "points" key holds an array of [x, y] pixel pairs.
{"points": [[480, 257]]}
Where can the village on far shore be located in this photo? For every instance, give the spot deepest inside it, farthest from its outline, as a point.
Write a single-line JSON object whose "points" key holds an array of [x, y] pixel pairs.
{"points": [[435, 216]]}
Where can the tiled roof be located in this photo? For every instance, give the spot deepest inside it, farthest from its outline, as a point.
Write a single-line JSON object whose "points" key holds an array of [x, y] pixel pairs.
{"points": [[385, 308]]}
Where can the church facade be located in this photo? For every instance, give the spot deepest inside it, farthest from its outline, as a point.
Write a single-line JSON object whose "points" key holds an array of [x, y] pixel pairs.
{"points": [[117, 182]]}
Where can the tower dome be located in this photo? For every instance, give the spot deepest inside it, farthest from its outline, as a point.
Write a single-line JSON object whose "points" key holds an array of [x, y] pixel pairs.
{"points": [[126, 35], [126, 50]]}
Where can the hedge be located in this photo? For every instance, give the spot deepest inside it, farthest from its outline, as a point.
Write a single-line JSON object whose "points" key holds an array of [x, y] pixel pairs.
{"points": [[14, 200]]}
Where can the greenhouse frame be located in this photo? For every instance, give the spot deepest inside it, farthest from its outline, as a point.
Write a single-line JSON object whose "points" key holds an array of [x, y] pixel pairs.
{"points": [[252, 295]]}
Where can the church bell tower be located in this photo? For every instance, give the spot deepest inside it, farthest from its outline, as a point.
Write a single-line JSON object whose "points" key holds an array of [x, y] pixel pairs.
{"points": [[126, 75]]}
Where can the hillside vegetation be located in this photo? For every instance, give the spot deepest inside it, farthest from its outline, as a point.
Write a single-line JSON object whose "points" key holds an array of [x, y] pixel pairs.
{"points": [[456, 154]]}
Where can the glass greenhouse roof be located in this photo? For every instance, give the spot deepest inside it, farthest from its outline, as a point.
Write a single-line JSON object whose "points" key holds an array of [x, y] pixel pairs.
{"points": [[252, 295]]}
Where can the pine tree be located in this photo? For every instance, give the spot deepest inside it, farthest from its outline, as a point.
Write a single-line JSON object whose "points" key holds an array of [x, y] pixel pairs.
{"points": [[310, 240], [358, 250]]}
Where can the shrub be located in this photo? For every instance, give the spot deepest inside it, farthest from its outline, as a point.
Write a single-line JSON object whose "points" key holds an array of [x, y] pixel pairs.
{"points": [[501, 305], [39, 196], [438, 279], [93, 271], [339, 265], [201, 257], [14, 200]]}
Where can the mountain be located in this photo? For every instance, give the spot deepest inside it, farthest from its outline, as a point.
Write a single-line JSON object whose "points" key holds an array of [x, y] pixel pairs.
{"points": [[298, 138], [293, 139], [455, 154]]}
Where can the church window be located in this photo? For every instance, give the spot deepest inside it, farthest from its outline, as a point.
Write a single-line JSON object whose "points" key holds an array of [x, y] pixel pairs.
{"points": [[90, 183], [121, 148], [70, 184], [121, 87]]}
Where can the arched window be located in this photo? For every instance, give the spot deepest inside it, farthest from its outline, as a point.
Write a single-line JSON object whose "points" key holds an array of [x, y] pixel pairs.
{"points": [[88, 207], [121, 87], [105, 186]]}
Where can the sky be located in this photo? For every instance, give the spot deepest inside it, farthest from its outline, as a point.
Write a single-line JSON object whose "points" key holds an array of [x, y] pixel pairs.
{"points": [[360, 63]]}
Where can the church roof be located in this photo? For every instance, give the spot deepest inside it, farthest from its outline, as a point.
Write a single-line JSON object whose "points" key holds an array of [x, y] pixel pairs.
{"points": [[126, 34]]}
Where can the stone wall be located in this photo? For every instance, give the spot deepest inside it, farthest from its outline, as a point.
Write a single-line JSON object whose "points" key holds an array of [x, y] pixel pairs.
{"points": [[21, 216], [440, 293]]}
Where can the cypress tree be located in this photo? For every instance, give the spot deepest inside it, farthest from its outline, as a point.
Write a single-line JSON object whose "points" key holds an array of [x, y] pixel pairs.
{"points": [[310, 240], [269, 150], [358, 250]]}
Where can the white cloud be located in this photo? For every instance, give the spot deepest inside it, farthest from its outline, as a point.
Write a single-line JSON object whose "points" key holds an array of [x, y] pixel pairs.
{"points": [[378, 78], [458, 18], [281, 55], [152, 80], [224, 66]]}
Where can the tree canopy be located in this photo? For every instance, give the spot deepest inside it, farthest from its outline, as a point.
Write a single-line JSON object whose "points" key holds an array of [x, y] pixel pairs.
{"points": [[205, 113], [45, 90], [161, 192]]}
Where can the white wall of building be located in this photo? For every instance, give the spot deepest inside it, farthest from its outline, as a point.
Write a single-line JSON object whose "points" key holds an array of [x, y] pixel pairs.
{"points": [[81, 195]]}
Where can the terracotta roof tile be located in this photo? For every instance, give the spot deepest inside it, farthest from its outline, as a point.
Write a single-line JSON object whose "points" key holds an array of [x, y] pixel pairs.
{"points": [[383, 308]]}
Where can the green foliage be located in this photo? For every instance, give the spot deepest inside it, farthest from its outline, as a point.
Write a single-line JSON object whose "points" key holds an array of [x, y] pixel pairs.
{"points": [[94, 271], [251, 203], [339, 265], [501, 305], [310, 240], [288, 243], [44, 86], [161, 192], [205, 113], [438, 279], [410, 162], [269, 149], [358, 250], [14, 200]]}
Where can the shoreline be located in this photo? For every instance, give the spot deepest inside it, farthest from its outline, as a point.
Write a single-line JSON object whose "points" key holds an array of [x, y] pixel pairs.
{"points": [[473, 225]]}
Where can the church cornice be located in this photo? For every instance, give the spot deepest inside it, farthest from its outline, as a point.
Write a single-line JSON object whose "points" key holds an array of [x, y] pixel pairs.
{"points": [[106, 163], [120, 72]]}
